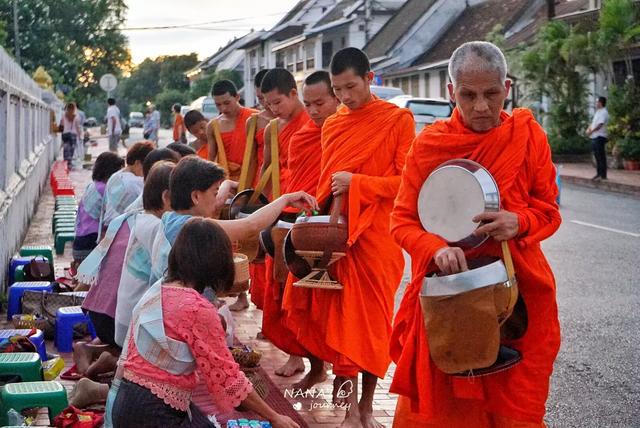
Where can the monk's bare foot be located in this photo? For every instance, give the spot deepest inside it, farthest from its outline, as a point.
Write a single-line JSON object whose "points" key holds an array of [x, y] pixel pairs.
{"points": [[368, 422], [105, 363], [310, 380], [352, 420], [87, 392], [82, 356], [342, 390], [241, 304], [291, 367]]}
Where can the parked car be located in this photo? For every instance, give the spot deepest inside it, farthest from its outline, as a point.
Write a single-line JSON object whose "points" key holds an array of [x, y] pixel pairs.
{"points": [[90, 122], [386, 92], [206, 106], [136, 119], [425, 110]]}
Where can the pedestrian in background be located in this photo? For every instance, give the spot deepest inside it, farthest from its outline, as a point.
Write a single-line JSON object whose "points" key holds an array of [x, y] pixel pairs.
{"points": [[114, 127], [154, 125], [71, 129], [597, 131], [179, 131]]}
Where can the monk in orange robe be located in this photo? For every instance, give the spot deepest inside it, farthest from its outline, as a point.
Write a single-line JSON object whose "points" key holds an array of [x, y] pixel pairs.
{"points": [[227, 140], [515, 151], [304, 172], [196, 124], [227, 133], [257, 269], [363, 150], [281, 94]]}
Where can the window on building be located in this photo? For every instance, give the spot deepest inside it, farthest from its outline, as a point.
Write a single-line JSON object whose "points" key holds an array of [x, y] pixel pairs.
{"points": [[415, 85], [291, 62], [404, 84], [427, 90], [327, 53], [280, 59], [310, 52], [395, 83], [620, 71], [443, 83], [344, 41]]}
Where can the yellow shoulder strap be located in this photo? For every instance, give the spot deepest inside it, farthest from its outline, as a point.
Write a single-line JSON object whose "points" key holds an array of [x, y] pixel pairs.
{"points": [[222, 156], [275, 159], [249, 160]]}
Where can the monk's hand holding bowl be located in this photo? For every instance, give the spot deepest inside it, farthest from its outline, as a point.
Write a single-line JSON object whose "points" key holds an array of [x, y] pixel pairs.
{"points": [[450, 260], [501, 226], [340, 182]]}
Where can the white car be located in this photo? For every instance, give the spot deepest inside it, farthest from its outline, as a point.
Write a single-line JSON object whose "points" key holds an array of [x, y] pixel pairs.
{"points": [[386, 92], [425, 110]]}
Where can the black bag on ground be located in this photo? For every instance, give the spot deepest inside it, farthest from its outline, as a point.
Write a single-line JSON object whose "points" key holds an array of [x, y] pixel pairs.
{"points": [[38, 269]]}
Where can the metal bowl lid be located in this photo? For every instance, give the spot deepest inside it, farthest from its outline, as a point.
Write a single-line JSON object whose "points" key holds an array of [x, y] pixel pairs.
{"points": [[453, 194], [325, 219]]}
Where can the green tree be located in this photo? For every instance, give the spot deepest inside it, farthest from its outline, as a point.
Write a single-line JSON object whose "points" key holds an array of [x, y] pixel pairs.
{"points": [[76, 41], [3, 33], [202, 86], [172, 69], [619, 30], [555, 66]]}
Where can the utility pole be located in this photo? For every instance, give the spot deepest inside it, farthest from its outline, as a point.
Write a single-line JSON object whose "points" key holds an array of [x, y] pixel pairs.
{"points": [[367, 19], [16, 33]]}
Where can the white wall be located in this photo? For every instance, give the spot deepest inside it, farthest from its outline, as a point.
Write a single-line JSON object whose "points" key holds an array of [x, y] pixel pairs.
{"points": [[27, 149]]}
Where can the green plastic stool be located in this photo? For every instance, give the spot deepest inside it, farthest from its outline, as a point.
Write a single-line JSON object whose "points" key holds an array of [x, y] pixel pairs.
{"points": [[62, 223], [27, 365], [24, 395], [37, 250], [19, 274], [65, 229], [66, 209], [61, 239]]}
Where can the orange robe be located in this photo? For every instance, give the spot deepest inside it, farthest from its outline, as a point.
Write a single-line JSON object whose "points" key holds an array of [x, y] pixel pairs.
{"points": [[304, 173], [203, 151], [235, 142], [518, 156], [273, 326], [257, 271], [351, 328]]}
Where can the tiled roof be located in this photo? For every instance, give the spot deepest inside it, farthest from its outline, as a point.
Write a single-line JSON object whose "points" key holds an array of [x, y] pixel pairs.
{"points": [[396, 27], [563, 7], [337, 12], [474, 24]]}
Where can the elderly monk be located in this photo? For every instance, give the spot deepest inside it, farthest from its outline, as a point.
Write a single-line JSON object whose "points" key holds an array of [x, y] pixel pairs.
{"points": [[514, 149], [226, 134], [363, 150], [304, 173], [281, 95]]}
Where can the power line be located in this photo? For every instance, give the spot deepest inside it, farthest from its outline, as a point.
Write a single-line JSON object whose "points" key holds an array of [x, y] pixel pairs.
{"points": [[191, 25]]}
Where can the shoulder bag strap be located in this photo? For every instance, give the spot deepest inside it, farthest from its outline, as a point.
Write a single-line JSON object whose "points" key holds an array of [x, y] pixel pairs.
{"points": [[222, 156], [247, 171]]}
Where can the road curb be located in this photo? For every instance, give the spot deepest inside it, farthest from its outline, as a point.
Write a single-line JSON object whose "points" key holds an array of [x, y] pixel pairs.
{"points": [[602, 185]]}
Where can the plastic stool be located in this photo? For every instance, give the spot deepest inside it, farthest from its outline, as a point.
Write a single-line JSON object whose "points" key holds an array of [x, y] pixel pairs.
{"points": [[27, 365], [19, 274], [37, 339], [63, 238], [66, 207], [62, 223], [15, 262], [20, 396], [65, 229], [38, 250], [16, 291], [66, 318]]}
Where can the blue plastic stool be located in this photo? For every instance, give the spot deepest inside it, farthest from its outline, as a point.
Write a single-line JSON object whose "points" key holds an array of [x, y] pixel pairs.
{"points": [[37, 339], [17, 290], [66, 318], [15, 262]]}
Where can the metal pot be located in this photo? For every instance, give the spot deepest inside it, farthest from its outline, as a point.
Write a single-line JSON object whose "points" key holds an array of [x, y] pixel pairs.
{"points": [[452, 196]]}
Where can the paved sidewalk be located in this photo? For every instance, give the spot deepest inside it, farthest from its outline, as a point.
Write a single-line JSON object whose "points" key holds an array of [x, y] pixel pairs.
{"points": [[618, 180]]}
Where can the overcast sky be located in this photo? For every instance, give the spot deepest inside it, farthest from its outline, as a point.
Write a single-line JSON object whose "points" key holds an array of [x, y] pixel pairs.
{"points": [[256, 14]]}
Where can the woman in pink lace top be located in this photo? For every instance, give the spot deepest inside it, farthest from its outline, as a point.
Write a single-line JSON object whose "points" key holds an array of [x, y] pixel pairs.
{"points": [[153, 392]]}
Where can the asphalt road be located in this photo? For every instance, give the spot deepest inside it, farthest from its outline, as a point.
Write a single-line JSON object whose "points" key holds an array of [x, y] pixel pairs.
{"points": [[596, 381]]}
